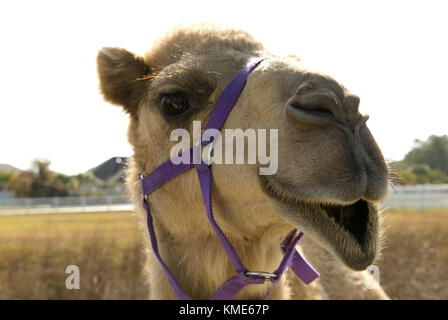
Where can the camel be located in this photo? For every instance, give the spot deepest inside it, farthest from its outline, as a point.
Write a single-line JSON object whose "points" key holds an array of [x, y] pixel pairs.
{"points": [[331, 173]]}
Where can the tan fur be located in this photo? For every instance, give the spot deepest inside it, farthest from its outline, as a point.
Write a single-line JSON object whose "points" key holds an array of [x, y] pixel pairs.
{"points": [[201, 61]]}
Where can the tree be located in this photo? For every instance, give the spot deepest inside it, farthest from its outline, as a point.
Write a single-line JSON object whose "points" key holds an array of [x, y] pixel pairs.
{"points": [[5, 180], [427, 162], [21, 184], [40, 181], [432, 152]]}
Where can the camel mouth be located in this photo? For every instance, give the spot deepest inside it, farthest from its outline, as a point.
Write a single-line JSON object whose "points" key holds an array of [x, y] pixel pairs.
{"points": [[348, 231], [352, 218]]}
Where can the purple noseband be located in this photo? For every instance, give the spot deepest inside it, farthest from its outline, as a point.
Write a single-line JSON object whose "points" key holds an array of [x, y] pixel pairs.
{"points": [[168, 171]]}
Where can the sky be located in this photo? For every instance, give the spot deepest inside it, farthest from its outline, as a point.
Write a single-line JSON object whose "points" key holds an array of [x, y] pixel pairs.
{"points": [[393, 54]]}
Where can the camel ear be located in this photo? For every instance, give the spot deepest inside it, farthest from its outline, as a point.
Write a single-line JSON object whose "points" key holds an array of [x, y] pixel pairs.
{"points": [[119, 71]]}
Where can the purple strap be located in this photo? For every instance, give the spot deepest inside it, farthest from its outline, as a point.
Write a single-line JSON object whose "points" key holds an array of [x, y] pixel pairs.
{"points": [[164, 173], [205, 180], [232, 286], [303, 269], [168, 171], [155, 248], [228, 98]]}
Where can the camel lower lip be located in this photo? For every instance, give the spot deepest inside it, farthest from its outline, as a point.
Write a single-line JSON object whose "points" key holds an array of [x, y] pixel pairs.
{"points": [[351, 236], [352, 219], [349, 232]]}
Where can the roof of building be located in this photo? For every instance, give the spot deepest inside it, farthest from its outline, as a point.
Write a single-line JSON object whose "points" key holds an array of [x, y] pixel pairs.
{"points": [[110, 169]]}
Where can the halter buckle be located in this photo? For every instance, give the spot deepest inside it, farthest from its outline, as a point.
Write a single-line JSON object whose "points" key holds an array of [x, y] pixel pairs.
{"points": [[267, 275], [145, 196]]}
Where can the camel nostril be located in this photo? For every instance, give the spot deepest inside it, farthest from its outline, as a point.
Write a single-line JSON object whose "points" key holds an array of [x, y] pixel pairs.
{"points": [[322, 110], [310, 110], [316, 105]]}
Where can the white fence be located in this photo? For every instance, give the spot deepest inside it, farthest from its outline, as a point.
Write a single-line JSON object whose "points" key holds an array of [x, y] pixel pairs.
{"points": [[64, 204], [420, 197]]}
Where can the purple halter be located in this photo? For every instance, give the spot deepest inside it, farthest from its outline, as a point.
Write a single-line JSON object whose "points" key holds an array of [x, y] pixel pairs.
{"points": [[168, 171]]}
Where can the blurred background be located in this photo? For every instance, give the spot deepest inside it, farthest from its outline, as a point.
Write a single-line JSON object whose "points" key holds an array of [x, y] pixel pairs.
{"points": [[63, 150]]}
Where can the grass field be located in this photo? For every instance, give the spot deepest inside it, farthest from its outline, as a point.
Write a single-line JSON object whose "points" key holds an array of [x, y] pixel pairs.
{"points": [[415, 260], [107, 247], [36, 249]]}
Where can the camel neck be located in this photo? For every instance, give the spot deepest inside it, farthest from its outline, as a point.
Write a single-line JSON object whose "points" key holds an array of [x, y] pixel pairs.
{"points": [[202, 274]]}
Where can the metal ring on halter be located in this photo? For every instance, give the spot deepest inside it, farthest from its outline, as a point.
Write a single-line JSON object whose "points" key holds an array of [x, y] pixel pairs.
{"points": [[145, 196], [266, 275]]}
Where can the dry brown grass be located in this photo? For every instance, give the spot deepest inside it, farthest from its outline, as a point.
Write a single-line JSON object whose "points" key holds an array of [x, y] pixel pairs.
{"points": [[107, 247], [415, 260], [35, 250]]}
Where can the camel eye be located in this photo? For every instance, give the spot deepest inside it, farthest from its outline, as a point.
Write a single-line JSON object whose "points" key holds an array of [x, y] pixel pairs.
{"points": [[174, 103]]}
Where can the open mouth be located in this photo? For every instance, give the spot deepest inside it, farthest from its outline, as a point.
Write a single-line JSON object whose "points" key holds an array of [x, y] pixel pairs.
{"points": [[348, 231], [352, 218]]}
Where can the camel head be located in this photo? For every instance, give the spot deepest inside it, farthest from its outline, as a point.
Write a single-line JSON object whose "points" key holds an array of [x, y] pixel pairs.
{"points": [[330, 173]]}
